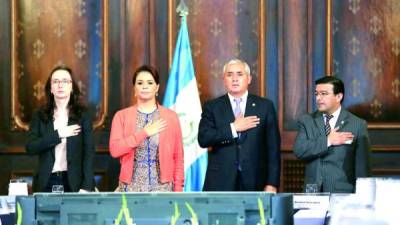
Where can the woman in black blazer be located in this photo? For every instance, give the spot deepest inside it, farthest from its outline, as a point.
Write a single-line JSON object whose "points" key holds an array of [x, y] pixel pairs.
{"points": [[61, 135]]}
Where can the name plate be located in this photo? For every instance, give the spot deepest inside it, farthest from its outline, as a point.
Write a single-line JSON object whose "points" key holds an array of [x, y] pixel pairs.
{"points": [[18, 188], [311, 201]]}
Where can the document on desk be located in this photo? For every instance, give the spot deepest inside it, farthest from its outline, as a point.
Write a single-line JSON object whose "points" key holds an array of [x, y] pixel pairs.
{"points": [[18, 188], [314, 201], [310, 217]]}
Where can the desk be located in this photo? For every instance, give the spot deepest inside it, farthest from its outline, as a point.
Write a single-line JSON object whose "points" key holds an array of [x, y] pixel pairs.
{"points": [[7, 210], [224, 208]]}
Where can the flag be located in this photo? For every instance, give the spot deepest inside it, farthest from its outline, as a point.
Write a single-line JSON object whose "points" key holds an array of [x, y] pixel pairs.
{"points": [[182, 96]]}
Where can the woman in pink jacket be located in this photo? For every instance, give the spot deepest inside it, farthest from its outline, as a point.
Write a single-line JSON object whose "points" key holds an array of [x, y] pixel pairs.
{"points": [[147, 139]]}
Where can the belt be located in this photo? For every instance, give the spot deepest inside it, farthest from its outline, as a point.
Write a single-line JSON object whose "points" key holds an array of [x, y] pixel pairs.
{"points": [[59, 173]]}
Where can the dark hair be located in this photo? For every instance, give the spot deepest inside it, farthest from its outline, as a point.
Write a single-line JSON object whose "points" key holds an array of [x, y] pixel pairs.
{"points": [[338, 86], [152, 70], [74, 105]]}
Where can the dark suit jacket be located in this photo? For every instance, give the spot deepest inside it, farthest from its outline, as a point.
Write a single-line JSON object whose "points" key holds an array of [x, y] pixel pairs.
{"points": [[80, 152], [257, 150], [336, 168]]}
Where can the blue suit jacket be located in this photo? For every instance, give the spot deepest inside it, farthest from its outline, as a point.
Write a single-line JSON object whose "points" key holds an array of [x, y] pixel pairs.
{"points": [[257, 150], [80, 152], [333, 168]]}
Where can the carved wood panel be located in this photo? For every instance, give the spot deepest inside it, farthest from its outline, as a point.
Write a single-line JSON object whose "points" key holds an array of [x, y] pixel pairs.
{"points": [[218, 35], [366, 55], [50, 33]]}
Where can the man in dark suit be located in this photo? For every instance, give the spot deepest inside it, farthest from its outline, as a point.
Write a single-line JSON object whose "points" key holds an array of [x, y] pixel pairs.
{"points": [[333, 142], [242, 133]]}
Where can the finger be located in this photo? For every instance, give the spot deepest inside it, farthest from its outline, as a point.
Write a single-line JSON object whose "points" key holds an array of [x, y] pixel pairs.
{"points": [[161, 120], [255, 121], [161, 129], [252, 117], [77, 130], [336, 129], [346, 134]]}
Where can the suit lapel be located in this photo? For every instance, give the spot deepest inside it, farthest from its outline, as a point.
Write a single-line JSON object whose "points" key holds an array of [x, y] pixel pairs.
{"points": [[50, 128], [250, 110], [342, 119], [251, 106], [227, 109], [319, 121], [72, 139]]}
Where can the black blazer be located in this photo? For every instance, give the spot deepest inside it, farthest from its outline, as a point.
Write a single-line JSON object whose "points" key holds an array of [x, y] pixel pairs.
{"points": [[335, 168], [257, 150], [42, 139]]}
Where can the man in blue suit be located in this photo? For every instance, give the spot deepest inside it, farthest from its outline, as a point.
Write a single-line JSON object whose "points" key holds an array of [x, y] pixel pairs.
{"points": [[332, 142], [241, 132]]}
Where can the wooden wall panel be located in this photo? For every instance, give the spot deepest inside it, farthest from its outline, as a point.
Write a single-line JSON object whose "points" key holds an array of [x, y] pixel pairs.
{"points": [[366, 56], [48, 33], [283, 42], [302, 55], [295, 61], [143, 41], [220, 35]]}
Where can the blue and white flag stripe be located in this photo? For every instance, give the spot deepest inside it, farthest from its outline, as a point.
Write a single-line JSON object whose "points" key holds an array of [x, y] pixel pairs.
{"points": [[182, 96]]}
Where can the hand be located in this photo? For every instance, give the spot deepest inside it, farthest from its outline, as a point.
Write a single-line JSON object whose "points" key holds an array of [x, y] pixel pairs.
{"points": [[270, 188], [245, 123], [155, 127], [68, 131], [339, 138]]}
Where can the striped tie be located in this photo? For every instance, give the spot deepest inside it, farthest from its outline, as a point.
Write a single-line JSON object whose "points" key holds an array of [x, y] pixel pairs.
{"points": [[327, 126]]}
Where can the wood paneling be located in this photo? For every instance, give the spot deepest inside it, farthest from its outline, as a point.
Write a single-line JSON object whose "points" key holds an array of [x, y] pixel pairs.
{"points": [[220, 35], [284, 43], [48, 33], [366, 56]]}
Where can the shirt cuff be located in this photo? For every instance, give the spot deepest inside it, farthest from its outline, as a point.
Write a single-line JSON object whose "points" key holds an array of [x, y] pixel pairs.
{"points": [[234, 132], [328, 142]]}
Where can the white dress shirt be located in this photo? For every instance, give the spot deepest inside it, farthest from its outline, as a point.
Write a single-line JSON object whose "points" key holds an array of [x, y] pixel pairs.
{"points": [[332, 121], [242, 109], [60, 163]]}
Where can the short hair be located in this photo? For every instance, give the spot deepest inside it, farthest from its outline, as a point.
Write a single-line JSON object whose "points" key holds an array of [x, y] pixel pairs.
{"points": [[338, 86], [234, 61], [146, 68]]}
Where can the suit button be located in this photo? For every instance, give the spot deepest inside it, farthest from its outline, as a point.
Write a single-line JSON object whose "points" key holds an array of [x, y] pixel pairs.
{"points": [[239, 146]]}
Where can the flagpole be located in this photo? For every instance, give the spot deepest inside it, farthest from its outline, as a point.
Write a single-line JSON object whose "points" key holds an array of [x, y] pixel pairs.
{"points": [[181, 90], [182, 10]]}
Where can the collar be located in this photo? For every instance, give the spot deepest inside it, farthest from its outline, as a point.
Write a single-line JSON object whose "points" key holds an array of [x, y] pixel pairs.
{"points": [[335, 114], [243, 97]]}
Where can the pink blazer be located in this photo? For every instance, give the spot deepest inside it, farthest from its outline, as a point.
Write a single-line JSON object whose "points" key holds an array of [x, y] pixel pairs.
{"points": [[125, 138]]}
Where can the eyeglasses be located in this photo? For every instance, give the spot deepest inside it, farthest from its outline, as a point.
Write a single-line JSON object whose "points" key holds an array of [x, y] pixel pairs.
{"points": [[322, 94], [63, 81]]}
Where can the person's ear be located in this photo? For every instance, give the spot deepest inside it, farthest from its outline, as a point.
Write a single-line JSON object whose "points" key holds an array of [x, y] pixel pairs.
{"points": [[339, 97]]}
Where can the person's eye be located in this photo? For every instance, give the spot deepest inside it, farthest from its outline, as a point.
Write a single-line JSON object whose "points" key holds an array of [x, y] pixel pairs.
{"points": [[139, 83]]}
